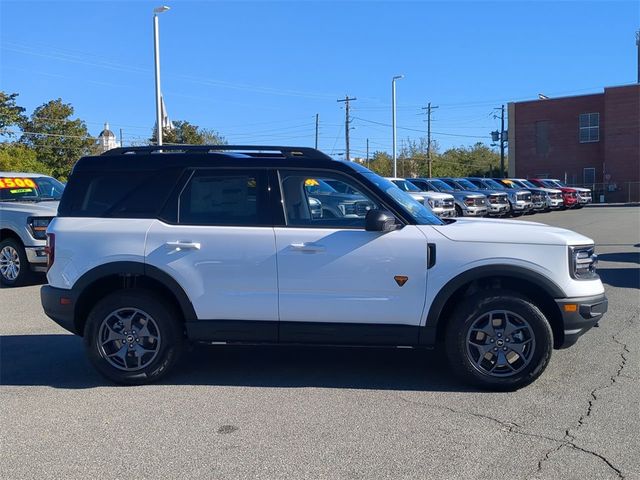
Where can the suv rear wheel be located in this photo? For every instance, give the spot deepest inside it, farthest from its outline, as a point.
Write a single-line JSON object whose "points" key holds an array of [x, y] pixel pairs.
{"points": [[133, 337], [499, 340]]}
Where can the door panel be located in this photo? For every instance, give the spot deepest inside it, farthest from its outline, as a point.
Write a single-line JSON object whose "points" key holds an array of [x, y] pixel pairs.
{"points": [[347, 276], [229, 273]]}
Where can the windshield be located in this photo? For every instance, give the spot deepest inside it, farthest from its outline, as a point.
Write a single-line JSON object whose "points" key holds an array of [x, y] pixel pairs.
{"points": [[406, 186], [527, 183], [493, 184], [510, 184], [421, 214], [466, 184], [30, 188], [314, 185], [440, 185], [551, 183]]}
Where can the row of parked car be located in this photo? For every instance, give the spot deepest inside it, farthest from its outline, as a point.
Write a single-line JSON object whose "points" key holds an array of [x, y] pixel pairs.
{"points": [[500, 197]]}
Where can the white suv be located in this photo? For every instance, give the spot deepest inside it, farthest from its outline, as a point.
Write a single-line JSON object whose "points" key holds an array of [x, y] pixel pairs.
{"points": [[153, 246]]}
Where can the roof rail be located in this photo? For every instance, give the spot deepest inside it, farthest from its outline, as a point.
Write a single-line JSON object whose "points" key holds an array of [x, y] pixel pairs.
{"points": [[250, 150]]}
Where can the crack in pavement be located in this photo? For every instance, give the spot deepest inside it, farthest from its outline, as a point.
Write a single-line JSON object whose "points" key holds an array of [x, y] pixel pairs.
{"points": [[570, 433]]}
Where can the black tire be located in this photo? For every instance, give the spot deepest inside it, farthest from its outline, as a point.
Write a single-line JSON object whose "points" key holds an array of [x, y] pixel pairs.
{"points": [[459, 212], [24, 270], [470, 313], [166, 323]]}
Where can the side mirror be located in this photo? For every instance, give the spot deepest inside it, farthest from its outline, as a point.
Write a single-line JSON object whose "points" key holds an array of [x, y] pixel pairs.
{"points": [[379, 221]]}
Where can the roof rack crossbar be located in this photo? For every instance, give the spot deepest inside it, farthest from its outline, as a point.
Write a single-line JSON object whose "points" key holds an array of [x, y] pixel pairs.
{"points": [[253, 150]]}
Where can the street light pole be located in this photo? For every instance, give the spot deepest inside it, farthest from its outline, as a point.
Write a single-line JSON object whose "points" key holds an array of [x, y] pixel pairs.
{"points": [[156, 54], [393, 121]]}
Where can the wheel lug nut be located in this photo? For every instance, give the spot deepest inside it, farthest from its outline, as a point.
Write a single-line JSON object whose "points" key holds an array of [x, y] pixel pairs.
{"points": [[495, 349], [508, 339], [492, 340], [499, 335], [504, 348]]}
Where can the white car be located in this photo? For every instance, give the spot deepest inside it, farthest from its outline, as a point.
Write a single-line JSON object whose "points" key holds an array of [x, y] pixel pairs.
{"points": [[156, 246], [28, 202], [442, 204]]}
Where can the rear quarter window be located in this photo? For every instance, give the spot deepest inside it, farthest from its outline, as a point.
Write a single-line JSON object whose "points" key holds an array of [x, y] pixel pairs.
{"points": [[138, 194]]}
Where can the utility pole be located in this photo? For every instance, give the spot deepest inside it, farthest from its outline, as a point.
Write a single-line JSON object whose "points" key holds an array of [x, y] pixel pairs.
{"points": [[502, 141], [121, 142], [638, 48], [429, 108], [317, 125], [347, 121], [367, 153], [498, 136]]}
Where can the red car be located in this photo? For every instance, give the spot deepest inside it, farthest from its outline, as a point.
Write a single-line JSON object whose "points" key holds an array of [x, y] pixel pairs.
{"points": [[569, 195]]}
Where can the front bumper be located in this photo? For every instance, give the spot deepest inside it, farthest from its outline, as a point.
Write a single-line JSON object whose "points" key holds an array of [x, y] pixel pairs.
{"points": [[580, 314], [37, 258], [555, 203], [499, 208], [521, 206], [444, 213], [59, 306], [474, 211]]}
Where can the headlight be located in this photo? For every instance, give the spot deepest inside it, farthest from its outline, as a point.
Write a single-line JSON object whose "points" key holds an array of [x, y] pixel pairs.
{"points": [[38, 226], [582, 262]]}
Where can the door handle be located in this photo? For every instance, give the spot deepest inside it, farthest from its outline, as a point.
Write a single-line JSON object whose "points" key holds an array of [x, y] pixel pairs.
{"points": [[184, 245], [307, 247]]}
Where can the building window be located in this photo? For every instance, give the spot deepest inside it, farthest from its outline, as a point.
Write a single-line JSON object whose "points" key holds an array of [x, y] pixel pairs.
{"points": [[589, 176], [589, 127], [542, 137]]}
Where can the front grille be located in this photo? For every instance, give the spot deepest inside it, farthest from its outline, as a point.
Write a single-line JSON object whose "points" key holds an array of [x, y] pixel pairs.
{"points": [[524, 196], [362, 208], [447, 203], [495, 199], [556, 196], [478, 202], [536, 197]]}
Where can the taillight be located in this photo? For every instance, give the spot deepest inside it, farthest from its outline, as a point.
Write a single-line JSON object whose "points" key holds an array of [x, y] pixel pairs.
{"points": [[50, 249]]}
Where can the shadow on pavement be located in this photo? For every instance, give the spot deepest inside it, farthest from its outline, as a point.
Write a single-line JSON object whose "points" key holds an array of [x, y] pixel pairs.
{"points": [[628, 257], [620, 277], [59, 361]]}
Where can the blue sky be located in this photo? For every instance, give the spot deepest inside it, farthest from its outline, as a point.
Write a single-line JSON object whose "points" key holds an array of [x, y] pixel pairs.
{"points": [[258, 72]]}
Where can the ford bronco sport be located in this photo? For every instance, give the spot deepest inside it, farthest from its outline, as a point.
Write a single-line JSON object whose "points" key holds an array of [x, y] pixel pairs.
{"points": [[154, 246]]}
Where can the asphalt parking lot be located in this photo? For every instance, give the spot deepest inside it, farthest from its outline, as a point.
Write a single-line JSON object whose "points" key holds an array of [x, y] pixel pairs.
{"points": [[268, 412]]}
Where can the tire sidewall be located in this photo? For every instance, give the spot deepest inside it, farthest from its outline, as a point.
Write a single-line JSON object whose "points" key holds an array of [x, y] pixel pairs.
{"points": [[24, 273], [479, 304], [167, 320]]}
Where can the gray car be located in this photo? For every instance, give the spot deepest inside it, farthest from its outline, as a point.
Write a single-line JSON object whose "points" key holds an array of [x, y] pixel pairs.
{"points": [[468, 204], [497, 201], [519, 199]]}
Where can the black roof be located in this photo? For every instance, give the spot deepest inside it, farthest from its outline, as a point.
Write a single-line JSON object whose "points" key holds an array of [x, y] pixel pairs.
{"points": [[150, 158]]}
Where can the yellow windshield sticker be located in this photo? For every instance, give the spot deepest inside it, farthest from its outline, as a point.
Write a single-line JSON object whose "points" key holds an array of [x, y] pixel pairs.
{"points": [[311, 182], [17, 183]]}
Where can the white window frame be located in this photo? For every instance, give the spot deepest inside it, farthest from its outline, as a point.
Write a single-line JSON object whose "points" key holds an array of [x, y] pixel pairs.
{"points": [[592, 128]]}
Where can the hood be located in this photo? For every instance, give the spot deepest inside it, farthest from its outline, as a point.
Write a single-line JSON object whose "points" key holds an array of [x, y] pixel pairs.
{"points": [[436, 195], [47, 208], [484, 230]]}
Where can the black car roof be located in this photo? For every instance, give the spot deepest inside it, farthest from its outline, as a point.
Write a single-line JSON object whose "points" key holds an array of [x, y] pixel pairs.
{"points": [[152, 158]]}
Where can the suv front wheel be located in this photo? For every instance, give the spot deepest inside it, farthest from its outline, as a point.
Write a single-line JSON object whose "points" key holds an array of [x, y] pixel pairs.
{"points": [[499, 340], [133, 337]]}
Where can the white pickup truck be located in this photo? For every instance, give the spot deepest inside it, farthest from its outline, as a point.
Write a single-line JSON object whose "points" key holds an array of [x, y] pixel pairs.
{"points": [[28, 202]]}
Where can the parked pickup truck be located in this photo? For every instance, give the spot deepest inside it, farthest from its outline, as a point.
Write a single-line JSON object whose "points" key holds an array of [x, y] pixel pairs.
{"points": [[467, 204], [28, 202], [442, 204]]}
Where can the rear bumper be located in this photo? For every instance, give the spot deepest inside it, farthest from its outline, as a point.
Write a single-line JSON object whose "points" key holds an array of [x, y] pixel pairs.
{"points": [[59, 306], [580, 314]]}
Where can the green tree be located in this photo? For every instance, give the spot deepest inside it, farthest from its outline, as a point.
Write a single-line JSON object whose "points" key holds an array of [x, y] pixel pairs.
{"points": [[15, 157], [381, 163], [10, 113], [57, 140], [187, 133]]}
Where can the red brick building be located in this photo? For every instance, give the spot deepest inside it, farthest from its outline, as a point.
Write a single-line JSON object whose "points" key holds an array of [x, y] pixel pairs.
{"points": [[590, 140]]}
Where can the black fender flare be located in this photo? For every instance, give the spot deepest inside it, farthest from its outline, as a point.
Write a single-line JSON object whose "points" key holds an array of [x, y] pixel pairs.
{"points": [[503, 270], [136, 269]]}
